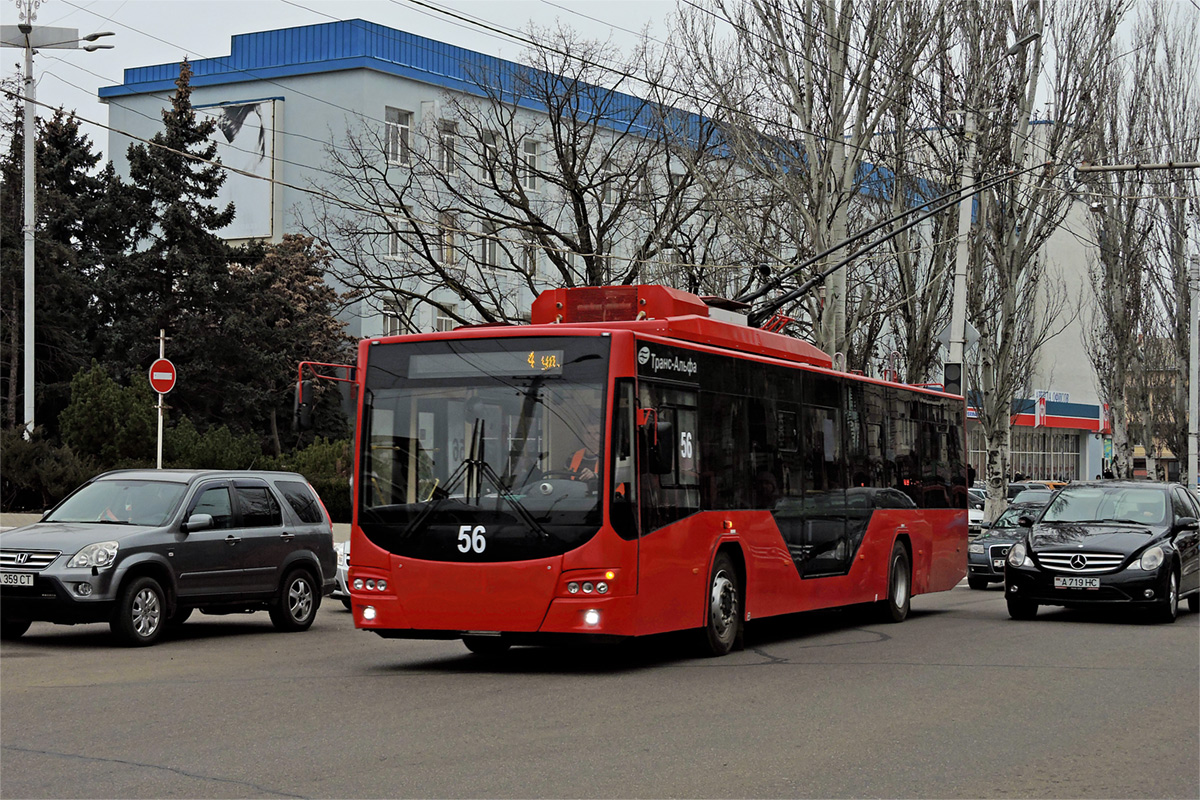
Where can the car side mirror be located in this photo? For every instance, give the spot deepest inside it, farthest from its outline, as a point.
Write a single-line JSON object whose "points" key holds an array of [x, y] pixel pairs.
{"points": [[1186, 524], [197, 522], [1025, 521], [658, 441]]}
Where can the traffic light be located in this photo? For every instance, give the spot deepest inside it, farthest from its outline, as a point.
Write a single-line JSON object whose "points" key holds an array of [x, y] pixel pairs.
{"points": [[952, 377]]}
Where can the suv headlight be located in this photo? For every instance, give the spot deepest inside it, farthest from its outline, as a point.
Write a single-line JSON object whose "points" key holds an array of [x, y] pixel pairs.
{"points": [[1016, 555], [1151, 559], [99, 555]]}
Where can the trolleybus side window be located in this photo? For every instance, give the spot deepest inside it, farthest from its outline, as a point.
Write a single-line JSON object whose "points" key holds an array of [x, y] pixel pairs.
{"points": [[674, 492], [624, 501]]}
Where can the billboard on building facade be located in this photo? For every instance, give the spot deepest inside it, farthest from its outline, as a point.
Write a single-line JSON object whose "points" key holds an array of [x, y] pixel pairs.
{"points": [[245, 137]]}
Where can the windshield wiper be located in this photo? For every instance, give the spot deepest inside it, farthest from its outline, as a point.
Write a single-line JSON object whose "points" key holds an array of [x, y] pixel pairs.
{"points": [[476, 467]]}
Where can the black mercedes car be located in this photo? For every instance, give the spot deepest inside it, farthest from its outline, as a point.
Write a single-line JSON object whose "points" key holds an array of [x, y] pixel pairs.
{"points": [[1121, 542]]}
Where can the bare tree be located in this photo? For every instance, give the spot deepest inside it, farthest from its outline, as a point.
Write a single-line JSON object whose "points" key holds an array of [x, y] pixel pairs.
{"points": [[550, 173], [1011, 299], [1175, 104], [1138, 340], [803, 87]]}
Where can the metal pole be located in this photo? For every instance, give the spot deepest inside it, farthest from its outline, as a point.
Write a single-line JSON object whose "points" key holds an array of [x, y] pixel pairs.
{"points": [[1194, 376], [162, 353], [30, 225], [958, 305]]}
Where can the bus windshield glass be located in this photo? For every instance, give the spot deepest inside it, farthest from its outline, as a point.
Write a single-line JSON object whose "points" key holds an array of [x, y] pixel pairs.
{"points": [[483, 450]]}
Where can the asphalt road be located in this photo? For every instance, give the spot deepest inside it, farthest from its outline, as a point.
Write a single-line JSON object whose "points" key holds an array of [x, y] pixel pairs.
{"points": [[959, 701]]}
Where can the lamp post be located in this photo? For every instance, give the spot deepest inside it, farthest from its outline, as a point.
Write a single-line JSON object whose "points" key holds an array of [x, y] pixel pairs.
{"points": [[30, 38], [1194, 376], [953, 373]]}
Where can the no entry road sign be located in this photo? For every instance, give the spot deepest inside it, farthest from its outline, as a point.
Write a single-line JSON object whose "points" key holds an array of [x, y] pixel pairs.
{"points": [[162, 376]]}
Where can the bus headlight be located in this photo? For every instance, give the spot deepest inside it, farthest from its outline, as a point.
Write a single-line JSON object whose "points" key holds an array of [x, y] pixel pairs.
{"points": [[591, 617]]}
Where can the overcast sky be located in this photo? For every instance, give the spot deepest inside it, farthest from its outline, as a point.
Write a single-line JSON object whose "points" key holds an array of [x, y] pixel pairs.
{"points": [[164, 31]]}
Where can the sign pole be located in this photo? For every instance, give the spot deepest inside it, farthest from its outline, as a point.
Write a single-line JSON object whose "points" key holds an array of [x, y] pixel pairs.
{"points": [[162, 351], [162, 380]]}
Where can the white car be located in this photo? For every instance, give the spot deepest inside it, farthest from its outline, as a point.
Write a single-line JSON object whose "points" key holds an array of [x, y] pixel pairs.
{"points": [[975, 514], [341, 588]]}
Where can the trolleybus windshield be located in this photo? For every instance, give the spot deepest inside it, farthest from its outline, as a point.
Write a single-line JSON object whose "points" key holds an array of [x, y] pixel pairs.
{"points": [[483, 450]]}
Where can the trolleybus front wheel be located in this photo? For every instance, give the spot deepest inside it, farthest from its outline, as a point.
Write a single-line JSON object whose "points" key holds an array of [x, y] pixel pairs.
{"points": [[485, 645], [723, 630]]}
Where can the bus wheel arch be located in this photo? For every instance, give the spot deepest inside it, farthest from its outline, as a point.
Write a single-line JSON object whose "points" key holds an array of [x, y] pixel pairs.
{"points": [[725, 602]]}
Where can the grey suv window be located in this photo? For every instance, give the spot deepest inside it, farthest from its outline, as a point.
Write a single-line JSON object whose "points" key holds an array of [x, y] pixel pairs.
{"points": [[215, 501], [259, 507], [302, 500]]}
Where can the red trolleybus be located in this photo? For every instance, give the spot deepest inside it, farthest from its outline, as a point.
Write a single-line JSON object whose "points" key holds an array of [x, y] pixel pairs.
{"points": [[633, 462]]}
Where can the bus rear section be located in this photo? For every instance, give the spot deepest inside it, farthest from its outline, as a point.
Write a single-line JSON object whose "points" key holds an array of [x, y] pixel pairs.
{"points": [[624, 478]]}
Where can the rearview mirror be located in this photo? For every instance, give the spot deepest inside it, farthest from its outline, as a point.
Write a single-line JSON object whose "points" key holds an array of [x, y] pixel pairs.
{"points": [[660, 447], [302, 406]]}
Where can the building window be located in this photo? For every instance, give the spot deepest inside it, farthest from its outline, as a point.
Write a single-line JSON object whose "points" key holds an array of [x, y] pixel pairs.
{"points": [[400, 237], [489, 255], [443, 319], [448, 237], [447, 147], [489, 150], [529, 254], [606, 178], [397, 127], [529, 166], [395, 312], [645, 185]]}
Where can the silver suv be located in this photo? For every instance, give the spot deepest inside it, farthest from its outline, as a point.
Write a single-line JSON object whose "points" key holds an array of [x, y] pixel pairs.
{"points": [[141, 549]]}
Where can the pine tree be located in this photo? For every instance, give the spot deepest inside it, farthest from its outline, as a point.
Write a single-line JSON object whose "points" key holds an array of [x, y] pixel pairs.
{"points": [[287, 316], [177, 277], [74, 232]]}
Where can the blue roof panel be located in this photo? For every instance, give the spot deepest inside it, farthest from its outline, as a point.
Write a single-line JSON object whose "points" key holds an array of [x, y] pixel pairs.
{"points": [[313, 49]]}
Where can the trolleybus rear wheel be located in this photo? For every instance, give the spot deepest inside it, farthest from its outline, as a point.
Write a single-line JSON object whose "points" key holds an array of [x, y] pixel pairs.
{"points": [[895, 607]]}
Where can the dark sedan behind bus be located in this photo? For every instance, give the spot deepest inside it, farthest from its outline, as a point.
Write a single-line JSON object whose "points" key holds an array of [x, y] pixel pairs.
{"points": [[1116, 542]]}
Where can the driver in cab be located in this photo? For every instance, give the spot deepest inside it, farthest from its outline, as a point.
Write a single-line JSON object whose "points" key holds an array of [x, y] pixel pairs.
{"points": [[584, 462]]}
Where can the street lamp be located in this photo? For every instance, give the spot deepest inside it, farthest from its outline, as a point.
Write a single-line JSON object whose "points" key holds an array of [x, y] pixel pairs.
{"points": [[953, 374], [30, 38]]}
